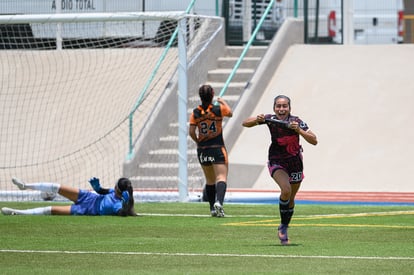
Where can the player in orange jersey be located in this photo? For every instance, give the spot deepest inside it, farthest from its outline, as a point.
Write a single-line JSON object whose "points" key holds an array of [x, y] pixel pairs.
{"points": [[206, 130]]}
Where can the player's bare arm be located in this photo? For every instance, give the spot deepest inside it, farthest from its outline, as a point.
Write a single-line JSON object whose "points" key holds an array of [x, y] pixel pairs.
{"points": [[192, 133], [253, 121], [308, 135], [223, 102]]}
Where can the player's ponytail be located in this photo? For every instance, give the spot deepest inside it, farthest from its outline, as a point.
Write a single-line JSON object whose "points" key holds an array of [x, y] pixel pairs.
{"points": [[124, 184]]}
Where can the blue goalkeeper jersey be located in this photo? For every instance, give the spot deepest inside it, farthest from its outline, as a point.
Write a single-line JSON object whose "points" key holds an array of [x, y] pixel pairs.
{"points": [[110, 204], [90, 203]]}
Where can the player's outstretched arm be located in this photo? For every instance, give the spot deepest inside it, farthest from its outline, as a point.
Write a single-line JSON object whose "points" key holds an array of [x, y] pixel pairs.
{"points": [[96, 185], [253, 121]]}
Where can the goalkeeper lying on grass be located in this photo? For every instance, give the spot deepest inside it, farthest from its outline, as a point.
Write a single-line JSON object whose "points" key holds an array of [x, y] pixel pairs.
{"points": [[114, 201]]}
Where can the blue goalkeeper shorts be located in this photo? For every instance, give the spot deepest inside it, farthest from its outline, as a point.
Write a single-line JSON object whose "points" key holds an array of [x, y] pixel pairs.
{"points": [[87, 204]]}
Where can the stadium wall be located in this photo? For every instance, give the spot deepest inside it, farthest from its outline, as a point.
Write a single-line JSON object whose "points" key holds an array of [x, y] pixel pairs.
{"points": [[357, 99]]}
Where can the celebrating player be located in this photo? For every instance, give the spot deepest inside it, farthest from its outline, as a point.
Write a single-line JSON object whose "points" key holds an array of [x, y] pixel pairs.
{"points": [[113, 201], [285, 155], [211, 151]]}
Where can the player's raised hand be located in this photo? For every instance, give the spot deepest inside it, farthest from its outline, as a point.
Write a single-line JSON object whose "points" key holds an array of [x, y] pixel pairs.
{"points": [[95, 184]]}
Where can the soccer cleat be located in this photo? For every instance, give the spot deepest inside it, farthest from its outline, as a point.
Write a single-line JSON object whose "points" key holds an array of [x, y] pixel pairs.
{"points": [[8, 211], [219, 209], [213, 212], [282, 234], [19, 183]]}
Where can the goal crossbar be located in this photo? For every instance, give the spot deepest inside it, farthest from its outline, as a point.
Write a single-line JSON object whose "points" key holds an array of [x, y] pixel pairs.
{"points": [[89, 17]]}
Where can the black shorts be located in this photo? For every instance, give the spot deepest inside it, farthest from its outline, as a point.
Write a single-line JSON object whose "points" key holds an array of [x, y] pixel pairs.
{"points": [[212, 155], [293, 167]]}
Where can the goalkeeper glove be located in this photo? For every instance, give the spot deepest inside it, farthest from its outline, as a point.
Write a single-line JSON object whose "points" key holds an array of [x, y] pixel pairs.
{"points": [[125, 197], [95, 184]]}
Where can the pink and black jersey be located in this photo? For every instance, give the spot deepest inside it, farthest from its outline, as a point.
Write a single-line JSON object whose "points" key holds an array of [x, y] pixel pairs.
{"points": [[285, 141]]}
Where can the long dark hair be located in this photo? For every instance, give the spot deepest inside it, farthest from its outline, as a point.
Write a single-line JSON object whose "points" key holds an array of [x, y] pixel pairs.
{"points": [[124, 184]]}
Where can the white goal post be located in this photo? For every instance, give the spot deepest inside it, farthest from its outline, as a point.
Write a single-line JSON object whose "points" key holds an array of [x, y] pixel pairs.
{"points": [[71, 81]]}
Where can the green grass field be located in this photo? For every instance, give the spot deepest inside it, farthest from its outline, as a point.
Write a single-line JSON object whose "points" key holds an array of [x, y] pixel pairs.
{"points": [[180, 238]]}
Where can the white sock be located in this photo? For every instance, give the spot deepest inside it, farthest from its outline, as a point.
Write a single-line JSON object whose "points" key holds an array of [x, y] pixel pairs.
{"points": [[43, 186], [35, 211]]}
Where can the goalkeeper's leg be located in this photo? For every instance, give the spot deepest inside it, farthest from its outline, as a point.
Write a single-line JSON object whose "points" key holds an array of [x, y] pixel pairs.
{"points": [[66, 191], [41, 186], [34, 211], [48, 210]]}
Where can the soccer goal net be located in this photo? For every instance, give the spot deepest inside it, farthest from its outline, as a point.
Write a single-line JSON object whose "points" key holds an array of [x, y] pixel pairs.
{"points": [[95, 94]]}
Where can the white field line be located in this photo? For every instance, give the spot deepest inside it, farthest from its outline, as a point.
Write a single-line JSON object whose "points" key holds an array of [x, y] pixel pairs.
{"points": [[137, 253]]}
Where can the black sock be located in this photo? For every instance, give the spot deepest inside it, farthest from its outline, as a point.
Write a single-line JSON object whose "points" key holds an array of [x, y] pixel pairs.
{"points": [[284, 211], [211, 194], [290, 213], [221, 187]]}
